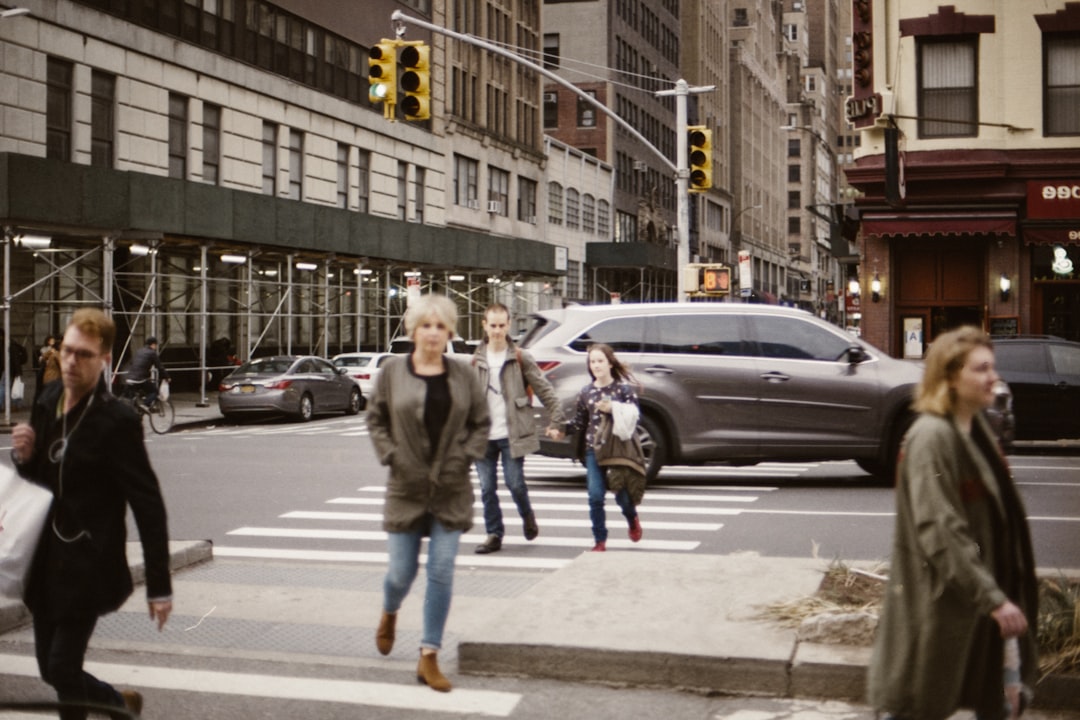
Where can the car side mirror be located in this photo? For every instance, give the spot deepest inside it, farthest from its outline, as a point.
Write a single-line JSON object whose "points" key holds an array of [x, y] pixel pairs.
{"points": [[341, 370], [856, 355]]}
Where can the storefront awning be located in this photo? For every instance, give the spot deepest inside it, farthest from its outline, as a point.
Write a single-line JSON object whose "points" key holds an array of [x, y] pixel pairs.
{"points": [[924, 224], [1052, 235]]}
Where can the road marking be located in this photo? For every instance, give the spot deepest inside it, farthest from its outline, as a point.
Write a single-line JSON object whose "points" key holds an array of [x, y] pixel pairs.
{"points": [[577, 495], [383, 558], [411, 697], [547, 540], [479, 520], [578, 507]]}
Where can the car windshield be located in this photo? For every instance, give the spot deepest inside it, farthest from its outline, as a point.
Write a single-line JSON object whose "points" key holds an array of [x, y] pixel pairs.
{"points": [[352, 361], [541, 327], [264, 366]]}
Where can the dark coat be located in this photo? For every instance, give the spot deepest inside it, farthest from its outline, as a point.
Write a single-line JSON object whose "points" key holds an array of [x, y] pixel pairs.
{"points": [[426, 481], [105, 469], [961, 548]]}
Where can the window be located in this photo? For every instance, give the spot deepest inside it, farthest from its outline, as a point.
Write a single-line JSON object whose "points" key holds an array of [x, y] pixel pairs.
{"points": [[622, 334], [342, 175], [588, 214], [498, 192], [551, 51], [794, 147], [586, 110], [555, 203], [794, 173], [419, 178], [296, 165], [526, 200], [794, 225], [573, 209], [466, 180], [363, 179], [780, 337], [741, 19], [402, 189], [269, 158], [211, 143], [1062, 78], [603, 218], [178, 145], [102, 122], [58, 109], [794, 200], [948, 96], [551, 110], [699, 335]]}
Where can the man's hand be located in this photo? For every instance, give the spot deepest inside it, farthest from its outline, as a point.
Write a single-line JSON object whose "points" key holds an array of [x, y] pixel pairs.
{"points": [[160, 611], [22, 442], [554, 433], [1010, 618]]}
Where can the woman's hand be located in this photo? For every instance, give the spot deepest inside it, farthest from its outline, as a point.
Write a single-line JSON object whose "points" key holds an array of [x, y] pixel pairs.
{"points": [[1011, 619], [604, 405]]}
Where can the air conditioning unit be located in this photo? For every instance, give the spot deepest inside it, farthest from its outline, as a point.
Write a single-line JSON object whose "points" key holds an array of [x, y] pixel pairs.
{"points": [[531, 219], [494, 206], [640, 166], [474, 204]]}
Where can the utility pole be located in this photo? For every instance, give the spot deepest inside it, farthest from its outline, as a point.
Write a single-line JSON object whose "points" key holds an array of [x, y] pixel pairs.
{"points": [[680, 92]]}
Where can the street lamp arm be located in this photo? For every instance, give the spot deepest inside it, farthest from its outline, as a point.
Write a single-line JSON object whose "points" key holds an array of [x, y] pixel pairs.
{"points": [[399, 16], [815, 133]]}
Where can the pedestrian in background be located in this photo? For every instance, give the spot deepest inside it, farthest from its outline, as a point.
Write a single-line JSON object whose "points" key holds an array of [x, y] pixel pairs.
{"points": [[611, 392], [140, 374], [17, 357], [48, 363], [87, 448], [429, 422], [957, 627], [508, 373]]}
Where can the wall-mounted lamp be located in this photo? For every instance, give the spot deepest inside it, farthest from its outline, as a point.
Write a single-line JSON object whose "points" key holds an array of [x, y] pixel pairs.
{"points": [[306, 266], [234, 259], [1005, 287], [875, 288], [853, 286], [33, 242]]}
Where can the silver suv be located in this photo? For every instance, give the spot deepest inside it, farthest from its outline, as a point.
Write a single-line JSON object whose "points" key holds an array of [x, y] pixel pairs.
{"points": [[739, 383]]}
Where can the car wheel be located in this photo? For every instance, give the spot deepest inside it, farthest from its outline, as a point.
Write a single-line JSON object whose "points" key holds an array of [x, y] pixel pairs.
{"points": [[355, 402], [305, 409], [652, 444]]}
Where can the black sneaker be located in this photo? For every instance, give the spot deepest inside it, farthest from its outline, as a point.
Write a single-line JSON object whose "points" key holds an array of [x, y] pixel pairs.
{"points": [[529, 526], [492, 544]]}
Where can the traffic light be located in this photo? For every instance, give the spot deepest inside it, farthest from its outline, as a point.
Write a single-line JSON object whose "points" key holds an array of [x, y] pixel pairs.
{"points": [[699, 138], [716, 280], [382, 73], [416, 81]]}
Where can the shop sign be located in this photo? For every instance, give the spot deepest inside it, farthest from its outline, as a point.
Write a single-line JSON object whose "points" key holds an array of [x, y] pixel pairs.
{"points": [[1053, 199]]}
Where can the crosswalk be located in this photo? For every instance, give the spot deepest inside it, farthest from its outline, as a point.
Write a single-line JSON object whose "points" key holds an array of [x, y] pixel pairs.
{"points": [[348, 528]]}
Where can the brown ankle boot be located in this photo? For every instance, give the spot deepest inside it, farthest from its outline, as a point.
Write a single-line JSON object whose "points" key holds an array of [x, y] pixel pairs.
{"points": [[427, 672], [384, 636]]}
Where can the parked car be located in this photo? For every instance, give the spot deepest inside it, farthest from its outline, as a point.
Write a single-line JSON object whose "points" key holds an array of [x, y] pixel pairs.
{"points": [[299, 386], [1043, 373], [363, 368], [403, 345], [740, 383]]}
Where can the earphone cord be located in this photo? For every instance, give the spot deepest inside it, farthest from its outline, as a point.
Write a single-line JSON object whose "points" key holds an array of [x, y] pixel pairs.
{"points": [[60, 472]]}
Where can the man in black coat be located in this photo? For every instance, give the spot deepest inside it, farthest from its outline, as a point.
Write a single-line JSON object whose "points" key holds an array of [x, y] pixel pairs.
{"points": [[87, 447]]}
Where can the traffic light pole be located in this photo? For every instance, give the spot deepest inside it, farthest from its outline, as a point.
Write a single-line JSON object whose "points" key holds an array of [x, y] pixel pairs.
{"points": [[682, 89]]}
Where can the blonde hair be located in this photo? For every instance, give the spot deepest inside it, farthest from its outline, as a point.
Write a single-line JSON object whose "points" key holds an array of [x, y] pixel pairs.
{"points": [[95, 323], [944, 360], [439, 307]]}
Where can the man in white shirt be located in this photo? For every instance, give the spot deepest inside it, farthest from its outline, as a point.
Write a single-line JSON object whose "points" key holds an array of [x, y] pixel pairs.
{"points": [[509, 374]]}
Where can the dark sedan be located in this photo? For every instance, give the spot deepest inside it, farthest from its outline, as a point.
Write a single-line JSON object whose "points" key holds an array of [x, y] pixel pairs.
{"points": [[298, 386], [1043, 373]]}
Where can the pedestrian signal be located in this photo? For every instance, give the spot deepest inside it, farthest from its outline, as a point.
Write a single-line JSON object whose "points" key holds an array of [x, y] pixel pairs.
{"points": [[416, 82], [382, 73], [699, 140], [716, 280]]}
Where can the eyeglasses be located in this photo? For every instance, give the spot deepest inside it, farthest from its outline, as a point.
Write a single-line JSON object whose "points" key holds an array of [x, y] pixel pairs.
{"points": [[78, 354]]}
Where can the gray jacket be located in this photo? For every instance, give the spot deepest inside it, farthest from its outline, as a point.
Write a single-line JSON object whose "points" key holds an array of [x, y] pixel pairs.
{"points": [[422, 482], [516, 378]]}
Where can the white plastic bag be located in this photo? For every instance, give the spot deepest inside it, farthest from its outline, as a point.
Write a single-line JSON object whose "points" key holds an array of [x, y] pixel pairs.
{"points": [[24, 507], [163, 391], [17, 389]]}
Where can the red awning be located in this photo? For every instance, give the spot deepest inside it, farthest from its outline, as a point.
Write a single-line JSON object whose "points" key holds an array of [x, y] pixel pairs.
{"points": [[1051, 235], [941, 223]]}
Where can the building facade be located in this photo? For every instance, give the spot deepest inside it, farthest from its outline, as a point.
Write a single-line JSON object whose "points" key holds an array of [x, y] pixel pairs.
{"points": [[969, 165]]}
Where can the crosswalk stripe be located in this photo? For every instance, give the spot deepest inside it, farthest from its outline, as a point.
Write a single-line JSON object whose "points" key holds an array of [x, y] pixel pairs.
{"points": [[576, 507], [546, 540], [580, 494], [502, 561], [478, 521], [411, 697]]}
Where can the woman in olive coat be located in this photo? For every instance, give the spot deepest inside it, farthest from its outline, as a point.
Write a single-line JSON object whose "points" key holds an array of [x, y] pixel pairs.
{"points": [[957, 628], [429, 422]]}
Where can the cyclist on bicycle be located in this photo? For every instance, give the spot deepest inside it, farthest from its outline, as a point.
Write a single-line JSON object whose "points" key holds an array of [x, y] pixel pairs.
{"points": [[139, 379]]}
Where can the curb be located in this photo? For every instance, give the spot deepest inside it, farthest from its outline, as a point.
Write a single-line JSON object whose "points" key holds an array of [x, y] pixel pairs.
{"points": [[182, 553]]}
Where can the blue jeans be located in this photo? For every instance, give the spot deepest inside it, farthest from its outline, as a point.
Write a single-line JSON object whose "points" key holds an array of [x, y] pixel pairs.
{"points": [[594, 482], [513, 476], [61, 650], [404, 550]]}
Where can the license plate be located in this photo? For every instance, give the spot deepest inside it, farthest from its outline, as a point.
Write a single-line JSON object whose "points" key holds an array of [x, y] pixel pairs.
{"points": [[248, 389]]}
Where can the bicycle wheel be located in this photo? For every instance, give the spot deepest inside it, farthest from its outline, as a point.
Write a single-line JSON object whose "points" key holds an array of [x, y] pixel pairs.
{"points": [[162, 415]]}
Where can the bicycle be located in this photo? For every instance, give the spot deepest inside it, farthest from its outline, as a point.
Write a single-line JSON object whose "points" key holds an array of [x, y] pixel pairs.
{"points": [[161, 412]]}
